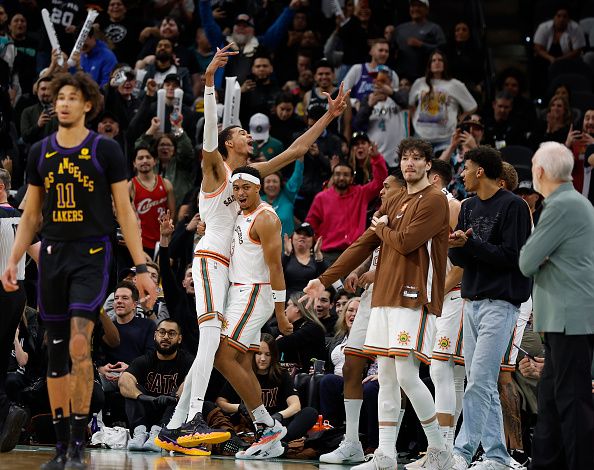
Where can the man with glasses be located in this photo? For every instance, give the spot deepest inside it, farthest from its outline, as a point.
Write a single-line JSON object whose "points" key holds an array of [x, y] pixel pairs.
{"points": [[151, 385]]}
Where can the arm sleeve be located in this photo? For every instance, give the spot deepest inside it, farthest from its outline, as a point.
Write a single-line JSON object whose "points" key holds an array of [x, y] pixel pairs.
{"points": [[273, 37], [425, 225], [379, 170], [516, 229], [210, 120], [550, 232]]}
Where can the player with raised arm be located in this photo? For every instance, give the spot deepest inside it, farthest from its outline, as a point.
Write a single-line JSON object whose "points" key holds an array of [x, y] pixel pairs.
{"points": [[73, 176], [221, 154]]}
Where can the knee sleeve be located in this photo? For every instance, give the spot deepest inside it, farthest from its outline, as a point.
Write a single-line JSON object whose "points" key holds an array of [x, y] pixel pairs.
{"points": [[407, 370], [58, 337], [79, 347], [442, 374], [388, 403]]}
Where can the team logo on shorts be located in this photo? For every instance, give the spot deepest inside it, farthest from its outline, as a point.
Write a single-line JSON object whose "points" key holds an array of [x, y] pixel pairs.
{"points": [[224, 324], [403, 338], [444, 343]]}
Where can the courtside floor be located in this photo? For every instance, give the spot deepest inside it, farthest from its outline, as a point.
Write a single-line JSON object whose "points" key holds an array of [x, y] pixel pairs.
{"points": [[31, 457]]}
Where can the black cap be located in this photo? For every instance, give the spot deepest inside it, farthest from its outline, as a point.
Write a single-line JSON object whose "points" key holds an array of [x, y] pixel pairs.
{"points": [[124, 273], [525, 187], [359, 136], [244, 18], [170, 77], [305, 229], [109, 115]]}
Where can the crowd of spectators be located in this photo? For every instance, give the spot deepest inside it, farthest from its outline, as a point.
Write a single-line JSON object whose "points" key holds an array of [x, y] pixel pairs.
{"points": [[407, 78]]}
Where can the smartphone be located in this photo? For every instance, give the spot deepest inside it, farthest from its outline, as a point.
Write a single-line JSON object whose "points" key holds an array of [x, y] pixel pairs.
{"points": [[526, 353]]}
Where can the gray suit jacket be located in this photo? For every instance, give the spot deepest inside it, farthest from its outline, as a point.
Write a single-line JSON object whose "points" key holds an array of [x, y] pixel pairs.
{"points": [[560, 256]]}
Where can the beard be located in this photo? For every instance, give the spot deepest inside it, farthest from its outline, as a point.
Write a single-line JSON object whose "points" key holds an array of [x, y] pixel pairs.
{"points": [[168, 350], [240, 39], [164, 57]]}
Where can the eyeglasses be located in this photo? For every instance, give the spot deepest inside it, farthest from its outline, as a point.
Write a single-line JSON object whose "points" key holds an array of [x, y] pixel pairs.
{"points": [[170, 333]]}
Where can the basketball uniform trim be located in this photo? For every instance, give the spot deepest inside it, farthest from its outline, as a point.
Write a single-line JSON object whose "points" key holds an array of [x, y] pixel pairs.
{"points": [[236, 333], [222, 187], [205, 277], [235, 344], [213, 256], [357, 353], [210, 316]]}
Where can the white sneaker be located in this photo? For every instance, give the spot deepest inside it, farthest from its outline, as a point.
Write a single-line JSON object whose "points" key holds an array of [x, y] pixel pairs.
{"points": [[378, 462], [271, 451], [267, 443], [150, 442], [417, 463], [458, 462], [140, 437], [489, 465], [438, 459], [347, 452], [516, 465]]}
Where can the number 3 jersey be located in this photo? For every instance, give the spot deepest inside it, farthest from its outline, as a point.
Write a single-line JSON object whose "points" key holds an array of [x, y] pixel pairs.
{"points": [[77, 183]]}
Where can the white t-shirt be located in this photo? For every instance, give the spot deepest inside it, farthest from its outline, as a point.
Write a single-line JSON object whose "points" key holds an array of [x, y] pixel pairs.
{"points": [[436, 115], [571, 39], [388, 125]]}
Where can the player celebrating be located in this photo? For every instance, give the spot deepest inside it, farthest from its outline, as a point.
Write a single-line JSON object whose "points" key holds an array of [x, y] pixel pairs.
{"points": [[73, 176], [221, 154], [412, 232]]}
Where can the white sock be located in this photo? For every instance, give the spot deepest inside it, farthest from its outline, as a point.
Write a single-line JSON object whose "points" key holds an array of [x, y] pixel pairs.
{"points": [[444, 430], [433, 434], [201, 369], [450, 437], [399, 424], [262, 416], [180, 415], [459, 374], [352, 408], [387, 441]]}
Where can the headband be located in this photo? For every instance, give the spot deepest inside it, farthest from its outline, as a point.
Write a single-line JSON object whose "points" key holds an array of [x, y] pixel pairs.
{"points": [[245, 177]]}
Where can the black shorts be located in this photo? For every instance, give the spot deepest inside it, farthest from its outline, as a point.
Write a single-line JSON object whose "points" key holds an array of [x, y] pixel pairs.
{"points": [[73, 278]]}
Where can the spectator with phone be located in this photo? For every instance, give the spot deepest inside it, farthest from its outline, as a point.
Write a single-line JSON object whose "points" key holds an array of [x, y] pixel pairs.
{"points": [[152, 384], [39, 120], [578, 141]]}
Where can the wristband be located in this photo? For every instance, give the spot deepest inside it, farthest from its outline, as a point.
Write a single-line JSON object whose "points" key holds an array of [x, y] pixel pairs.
{"points": [[279, 295], [141, 269]]}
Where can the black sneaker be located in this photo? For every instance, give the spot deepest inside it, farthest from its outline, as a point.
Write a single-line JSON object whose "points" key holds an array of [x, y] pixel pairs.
{"points": [[11, 431], [233, 445], [167, 440], [76, 456], [59, 460], [197, 432]]}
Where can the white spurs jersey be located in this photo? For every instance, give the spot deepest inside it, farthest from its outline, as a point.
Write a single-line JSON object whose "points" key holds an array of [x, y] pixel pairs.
{"points": [[247, 257], [218, 210]]}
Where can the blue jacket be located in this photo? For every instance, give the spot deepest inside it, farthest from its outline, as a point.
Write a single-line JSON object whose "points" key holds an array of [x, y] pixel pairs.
{"points": [[99, 62]]}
